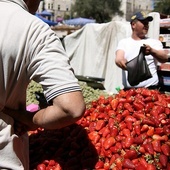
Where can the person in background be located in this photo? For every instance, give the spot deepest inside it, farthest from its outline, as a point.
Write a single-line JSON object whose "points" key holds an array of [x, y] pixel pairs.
{"points": [[128, 49], [30, 50]]}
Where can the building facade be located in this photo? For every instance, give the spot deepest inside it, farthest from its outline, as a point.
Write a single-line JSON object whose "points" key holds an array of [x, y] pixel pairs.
{"points": [[62, 8]]}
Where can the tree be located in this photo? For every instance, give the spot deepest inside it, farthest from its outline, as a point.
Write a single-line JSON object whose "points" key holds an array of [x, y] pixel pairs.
{"points": [[100, 10], [163, 7]]}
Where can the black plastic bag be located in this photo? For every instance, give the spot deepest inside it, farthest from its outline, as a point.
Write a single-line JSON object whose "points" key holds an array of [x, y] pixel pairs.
{"points": [[137, 68]]}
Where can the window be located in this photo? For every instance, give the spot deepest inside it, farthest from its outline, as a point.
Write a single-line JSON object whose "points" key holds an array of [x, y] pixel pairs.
{"points": [[58, 7]]}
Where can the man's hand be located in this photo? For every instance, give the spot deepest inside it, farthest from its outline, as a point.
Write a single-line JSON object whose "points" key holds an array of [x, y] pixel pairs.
{"points": [[22, 120], [120, 60], [160, 55]]}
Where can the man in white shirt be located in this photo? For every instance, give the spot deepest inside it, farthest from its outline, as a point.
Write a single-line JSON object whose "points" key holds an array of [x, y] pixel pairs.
{"points": [[30, 50], [128, 49]]}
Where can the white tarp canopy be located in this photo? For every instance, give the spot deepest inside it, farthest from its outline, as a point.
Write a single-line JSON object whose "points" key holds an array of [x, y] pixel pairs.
{"points": [[92, 50]]}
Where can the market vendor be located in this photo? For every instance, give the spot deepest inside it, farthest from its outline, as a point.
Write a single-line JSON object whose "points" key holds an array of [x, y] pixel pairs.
{"points": [[30, 50], [128, 49]]}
